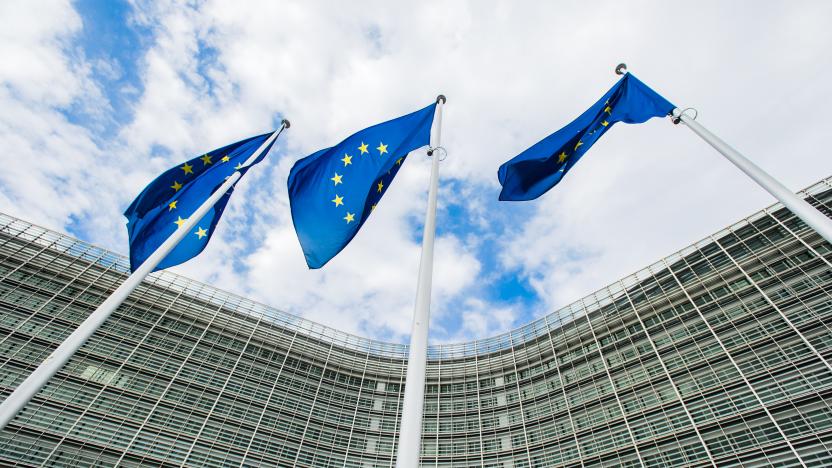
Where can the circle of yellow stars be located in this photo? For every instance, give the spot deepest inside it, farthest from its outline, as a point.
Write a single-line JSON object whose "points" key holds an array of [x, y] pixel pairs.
{"points": [[200, 231], [188, 169], [338, 178], [562, 157]]}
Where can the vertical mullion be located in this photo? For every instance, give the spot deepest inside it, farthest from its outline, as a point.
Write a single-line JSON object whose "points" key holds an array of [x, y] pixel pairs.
{"points": [[34, 312], [773, 305], [173, 378], [566, 404], [479, 405], [312, 405], [736, 366], [357, 405], [268, 399], [399, 406], [438, 403], [89, 405], [667, 372], [219, 394], [519, 400], [612, 383]]}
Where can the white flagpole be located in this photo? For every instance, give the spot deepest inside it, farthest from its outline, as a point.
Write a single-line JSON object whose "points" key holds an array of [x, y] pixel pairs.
{"points": [[800, 207], [410, 432], [58, 358]]}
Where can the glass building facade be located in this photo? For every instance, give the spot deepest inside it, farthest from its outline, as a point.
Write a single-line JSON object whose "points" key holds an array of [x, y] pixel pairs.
{"points": [[718, 355]]}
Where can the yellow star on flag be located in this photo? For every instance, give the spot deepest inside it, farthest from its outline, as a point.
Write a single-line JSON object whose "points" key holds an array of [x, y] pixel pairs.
{"points": [[179, 222], [338, 200], [363, 148], [382, 148], [608, 110], [206, 160], [605, 123], [380, 186], [176, 186], [225, 158], [399, 161], [238, 166], [201, 232], [349, 217], [337, 179], [187, 168], [347, 160], [172, 205], [562, 156], [373, 208], [579, 143]]}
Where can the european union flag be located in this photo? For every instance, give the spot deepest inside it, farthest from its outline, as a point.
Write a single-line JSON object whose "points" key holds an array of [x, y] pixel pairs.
{"points": [[534, 171], [167, 202], [333, 191]]}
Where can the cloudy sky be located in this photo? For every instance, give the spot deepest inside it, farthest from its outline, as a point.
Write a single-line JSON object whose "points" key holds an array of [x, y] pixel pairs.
{"points": [[99, 97]]}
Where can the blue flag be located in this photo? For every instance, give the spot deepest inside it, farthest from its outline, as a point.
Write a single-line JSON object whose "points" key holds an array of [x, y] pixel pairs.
{"points": [[534, 171], [167, 202], [333, 191]]}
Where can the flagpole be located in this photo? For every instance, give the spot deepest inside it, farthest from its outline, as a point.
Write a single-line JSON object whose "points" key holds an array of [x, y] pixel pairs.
{"points": [[61, 355], [800, 207], [410, 432]]}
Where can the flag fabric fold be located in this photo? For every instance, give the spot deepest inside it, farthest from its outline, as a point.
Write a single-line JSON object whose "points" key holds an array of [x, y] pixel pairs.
{"points": [[167, 202], [539, 168], [333, 191]]}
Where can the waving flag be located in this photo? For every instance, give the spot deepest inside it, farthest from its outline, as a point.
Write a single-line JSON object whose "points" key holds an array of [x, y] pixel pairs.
{"points": [[534, 171], [167, 202], [333, 191]]}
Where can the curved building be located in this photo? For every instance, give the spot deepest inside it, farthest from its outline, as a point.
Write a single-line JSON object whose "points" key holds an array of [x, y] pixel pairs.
{"points": [[718, 355]]}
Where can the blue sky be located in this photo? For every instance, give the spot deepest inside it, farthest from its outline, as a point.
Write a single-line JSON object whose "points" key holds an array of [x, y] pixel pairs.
{"points": [[99, 97]]}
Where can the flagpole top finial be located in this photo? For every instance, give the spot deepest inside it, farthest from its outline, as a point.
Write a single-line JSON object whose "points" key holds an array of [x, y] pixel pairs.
{"points": [[285, 123], [621, 68], [441, 97]]}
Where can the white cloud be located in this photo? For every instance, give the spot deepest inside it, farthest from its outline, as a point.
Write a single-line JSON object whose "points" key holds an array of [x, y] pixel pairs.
{"points": [[33, 46], [480, 319], [49, 163]]}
